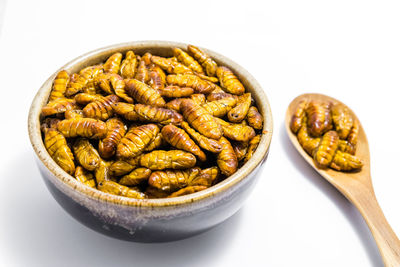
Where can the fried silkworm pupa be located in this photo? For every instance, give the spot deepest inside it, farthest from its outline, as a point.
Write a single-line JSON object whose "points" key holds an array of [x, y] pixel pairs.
{"points": [[239, 112], [102, 172], [319, 117], [342, 119], [346, 147], [121, 167], [213, 96], [345, 162], [254, 118], [84, 127], [113, 62], [171, 159], [220, 95], [75, 85], [84, 81], [157, 142], [240, 149], [108, 145], [200, 119], [188, 190], [187, 60], [58, 106], [142, 72], [101, 109], [84, 98], [157, 114], [236, 131], [73, 113], [204, 142], [307, 142], [326, 150], [102, 81], [112, 83], [128, 65], [226, 159], [127, 111], [299, 116], [117, 86], [221, 107], [253, 144], [192, 81], [205, 60], [90, 74], [143, 93], [170, 66], [86, 154], [199, 99], [157, 77], [206, 177], [136, 177], [59, 85], [136, 139], [147, 59], [352, 138], [218, 90], [172, 180], [173, 91], [59, 150], [207, 78], [174, 104], [85, 177], [178, 138], [229, 81], [120, 190], [132, 161]]}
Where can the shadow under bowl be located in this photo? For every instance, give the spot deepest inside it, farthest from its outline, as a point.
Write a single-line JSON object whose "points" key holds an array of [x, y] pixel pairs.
{"points": [[149, 220]]}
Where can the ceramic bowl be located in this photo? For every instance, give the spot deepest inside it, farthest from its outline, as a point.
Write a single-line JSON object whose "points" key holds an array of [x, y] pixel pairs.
{"points": [[150, 220]]}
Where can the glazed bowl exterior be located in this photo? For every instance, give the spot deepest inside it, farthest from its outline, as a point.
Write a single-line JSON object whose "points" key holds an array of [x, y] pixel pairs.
{"points": [[149, 220]]}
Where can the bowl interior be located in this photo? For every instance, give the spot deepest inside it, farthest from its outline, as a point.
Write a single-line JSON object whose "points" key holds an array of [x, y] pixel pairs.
{"points": [[162, 48]]}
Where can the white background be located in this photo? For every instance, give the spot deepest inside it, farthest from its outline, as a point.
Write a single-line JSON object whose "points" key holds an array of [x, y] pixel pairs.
{"points": [[347, 49]]}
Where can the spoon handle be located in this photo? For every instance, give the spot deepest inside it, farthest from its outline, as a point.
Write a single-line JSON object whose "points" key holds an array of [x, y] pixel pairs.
{"points": [[386, 239]]}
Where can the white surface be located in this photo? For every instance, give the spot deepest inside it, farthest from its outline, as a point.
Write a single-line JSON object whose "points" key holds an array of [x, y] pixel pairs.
{"points": [[346, 49]]}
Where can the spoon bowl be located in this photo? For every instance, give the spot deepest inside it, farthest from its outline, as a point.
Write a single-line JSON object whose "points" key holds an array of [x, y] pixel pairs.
{"points": [[355, 186]]}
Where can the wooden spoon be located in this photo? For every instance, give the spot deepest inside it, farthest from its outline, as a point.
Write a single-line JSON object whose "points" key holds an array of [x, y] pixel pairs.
{"points": [[355, 186]]}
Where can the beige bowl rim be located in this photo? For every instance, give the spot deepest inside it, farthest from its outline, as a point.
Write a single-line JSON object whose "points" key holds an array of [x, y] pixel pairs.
{"points": [[91, 57]]}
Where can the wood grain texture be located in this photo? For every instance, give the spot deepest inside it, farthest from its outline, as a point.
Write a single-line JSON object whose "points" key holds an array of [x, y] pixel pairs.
{"points": [[355, 186]]}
